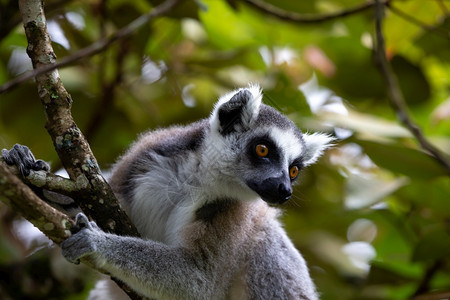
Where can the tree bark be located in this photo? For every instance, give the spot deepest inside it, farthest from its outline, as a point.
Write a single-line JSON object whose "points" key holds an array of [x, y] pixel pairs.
{"points": [[86, 184], [21, 198], [96, 199]]}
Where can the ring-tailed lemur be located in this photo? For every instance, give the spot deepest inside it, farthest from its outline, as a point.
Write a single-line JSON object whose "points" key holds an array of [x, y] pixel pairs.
{"points": [[199, 197]]}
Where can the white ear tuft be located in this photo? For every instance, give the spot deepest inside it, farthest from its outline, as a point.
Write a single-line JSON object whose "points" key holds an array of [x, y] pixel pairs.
{"points": [[315, 144], [236, 111]]}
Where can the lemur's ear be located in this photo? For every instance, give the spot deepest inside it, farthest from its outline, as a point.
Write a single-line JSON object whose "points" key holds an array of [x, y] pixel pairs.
{"points": [[236, 111], [315, 144]]}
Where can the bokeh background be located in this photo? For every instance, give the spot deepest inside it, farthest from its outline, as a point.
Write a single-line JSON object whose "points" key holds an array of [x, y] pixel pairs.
{"points": [[372, 218]]}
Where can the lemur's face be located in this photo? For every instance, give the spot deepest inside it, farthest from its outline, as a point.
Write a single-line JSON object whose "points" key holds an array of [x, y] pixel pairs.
{"points": [[272, 162], [265, 150]]}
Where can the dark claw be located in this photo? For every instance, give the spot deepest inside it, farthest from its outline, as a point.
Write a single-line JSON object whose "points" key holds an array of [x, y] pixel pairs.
{"points": [[41, 165], [81, 221], [23, 158], [82, 243]]}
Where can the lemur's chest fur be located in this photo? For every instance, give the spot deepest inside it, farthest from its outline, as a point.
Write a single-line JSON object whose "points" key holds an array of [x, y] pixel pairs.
{"points": [[199, 195]]}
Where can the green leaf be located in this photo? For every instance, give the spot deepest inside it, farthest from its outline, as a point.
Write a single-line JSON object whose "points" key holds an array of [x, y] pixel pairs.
{"points": [[363, 191], [286, 98], [399, 273], [368, 124], [226, 29], [356, 76], [434, 245], [433, 42], [436, 201], [412, 80], [401, 159]]}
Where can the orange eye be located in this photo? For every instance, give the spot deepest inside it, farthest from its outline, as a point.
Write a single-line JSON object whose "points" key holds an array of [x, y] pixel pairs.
{"points": [[293, 172], [261, 150]]}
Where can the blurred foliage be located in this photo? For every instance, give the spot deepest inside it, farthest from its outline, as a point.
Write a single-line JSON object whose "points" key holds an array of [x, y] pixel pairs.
{"points": [[372, 218]]}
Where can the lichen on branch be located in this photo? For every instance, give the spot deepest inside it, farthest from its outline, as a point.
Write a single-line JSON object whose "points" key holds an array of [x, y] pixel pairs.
{"points": [[16, 194], [97, 200]]}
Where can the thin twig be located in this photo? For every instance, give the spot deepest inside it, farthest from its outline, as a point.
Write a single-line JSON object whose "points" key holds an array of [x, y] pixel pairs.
{"points": [[97, 200], [49, 181], [443, 7], [69, 142], [417, 22], [309, 18], [94, 48], [424, 285], [396, 98], [433, 296], [108, 93]]}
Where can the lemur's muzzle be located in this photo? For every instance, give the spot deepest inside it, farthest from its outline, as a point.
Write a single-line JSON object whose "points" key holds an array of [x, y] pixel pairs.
{"points": [[274, 190]]}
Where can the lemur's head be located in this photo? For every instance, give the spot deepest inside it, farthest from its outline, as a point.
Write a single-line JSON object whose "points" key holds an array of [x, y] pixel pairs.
{"points": [[259, 147]]}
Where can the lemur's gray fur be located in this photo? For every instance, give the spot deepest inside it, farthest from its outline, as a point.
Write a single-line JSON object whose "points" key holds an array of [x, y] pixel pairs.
{"points": [[199, 197]]}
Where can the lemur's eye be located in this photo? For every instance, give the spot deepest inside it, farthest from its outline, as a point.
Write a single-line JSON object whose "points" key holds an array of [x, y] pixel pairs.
{"points": [[293, 172], [261, 150]]}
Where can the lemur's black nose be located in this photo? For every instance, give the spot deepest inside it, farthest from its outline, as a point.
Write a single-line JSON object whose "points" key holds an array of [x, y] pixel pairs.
{"points": [[284, 192], [273, 190]]}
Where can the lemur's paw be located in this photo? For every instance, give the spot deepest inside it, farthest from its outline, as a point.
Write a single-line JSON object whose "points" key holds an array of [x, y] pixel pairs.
{"points": [[84, 242], [22, 157]]}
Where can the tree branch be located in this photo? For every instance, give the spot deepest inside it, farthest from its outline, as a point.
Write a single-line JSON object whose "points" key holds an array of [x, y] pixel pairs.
{"points": [[94, 48], [71, 146], [309, 18], [395, 94], [53, 223], [16, 194], [92, 192], [49, 181]]}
